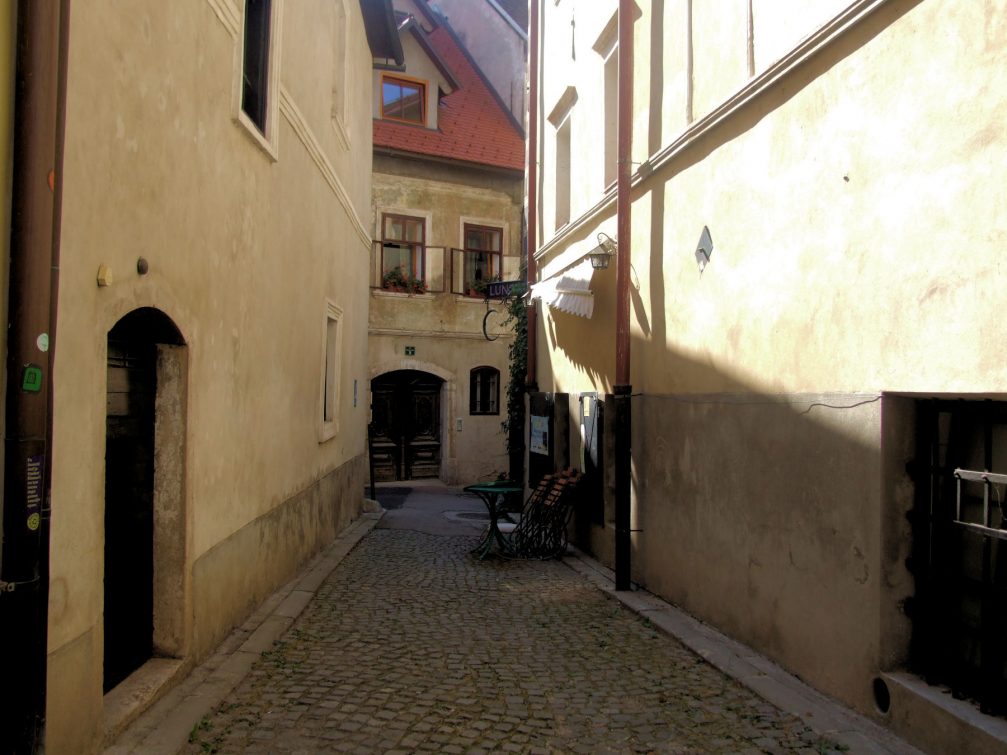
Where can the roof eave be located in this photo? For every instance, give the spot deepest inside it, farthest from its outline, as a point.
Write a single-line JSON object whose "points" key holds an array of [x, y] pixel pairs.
{"points": [[393, 152], [381, 28]]}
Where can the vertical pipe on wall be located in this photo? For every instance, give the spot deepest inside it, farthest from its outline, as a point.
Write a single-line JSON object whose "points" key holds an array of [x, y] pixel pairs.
{"points": [[623, 388], [40, 77], [533, 51]]}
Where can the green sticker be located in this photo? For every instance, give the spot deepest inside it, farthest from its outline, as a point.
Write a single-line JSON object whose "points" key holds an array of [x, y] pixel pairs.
{"points": [[33, 522], [31, 379]]}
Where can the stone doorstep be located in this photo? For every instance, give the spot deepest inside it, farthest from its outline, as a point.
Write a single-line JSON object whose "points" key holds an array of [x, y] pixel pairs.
{"points": [[149, 713], [930, 714], [128, 699], [823, 715]]}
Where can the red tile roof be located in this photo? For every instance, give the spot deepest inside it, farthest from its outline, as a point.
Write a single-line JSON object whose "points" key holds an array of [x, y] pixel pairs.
{"points": [[472, 125]]}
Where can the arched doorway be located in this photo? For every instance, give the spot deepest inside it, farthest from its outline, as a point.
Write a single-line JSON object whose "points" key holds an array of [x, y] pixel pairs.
{"points": [[406, 425], [145, 411]]}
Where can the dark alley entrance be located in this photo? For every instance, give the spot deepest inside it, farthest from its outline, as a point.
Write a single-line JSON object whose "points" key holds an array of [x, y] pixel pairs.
{"points": [[406, 425], [131, 445]]}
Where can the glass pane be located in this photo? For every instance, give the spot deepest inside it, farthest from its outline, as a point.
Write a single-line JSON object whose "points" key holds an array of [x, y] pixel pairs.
{"points": [[416, 260], [393, 228], [477, 272], [391, 97], [412, 107], [402, 99], [483, 239], [492, 392], [395, 256], [413, 230]]}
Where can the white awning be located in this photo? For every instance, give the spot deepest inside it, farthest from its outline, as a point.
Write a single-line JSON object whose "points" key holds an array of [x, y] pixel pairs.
{"points": [[569, 291]]}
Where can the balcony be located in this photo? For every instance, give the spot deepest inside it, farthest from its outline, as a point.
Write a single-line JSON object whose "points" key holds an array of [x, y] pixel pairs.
{"points": [[409, 268]]}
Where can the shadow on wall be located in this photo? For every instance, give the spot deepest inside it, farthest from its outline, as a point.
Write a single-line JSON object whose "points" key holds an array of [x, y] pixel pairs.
{"points": [[779, 519]]}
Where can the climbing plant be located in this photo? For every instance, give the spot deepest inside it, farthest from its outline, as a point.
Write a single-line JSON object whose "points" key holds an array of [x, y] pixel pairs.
{"points": [[513, 426]]}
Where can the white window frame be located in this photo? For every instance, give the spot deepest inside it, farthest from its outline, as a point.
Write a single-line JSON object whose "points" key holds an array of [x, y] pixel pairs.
{"points": [[340, 73], [267, 138], [331, 377]]}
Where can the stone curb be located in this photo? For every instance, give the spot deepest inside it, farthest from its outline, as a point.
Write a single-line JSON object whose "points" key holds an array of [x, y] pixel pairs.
{"points": [[164, 729], [825, 716]]}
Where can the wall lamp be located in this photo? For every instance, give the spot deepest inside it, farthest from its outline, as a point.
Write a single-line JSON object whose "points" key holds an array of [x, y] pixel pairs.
{"points": [[704, 249], [602, 253]]}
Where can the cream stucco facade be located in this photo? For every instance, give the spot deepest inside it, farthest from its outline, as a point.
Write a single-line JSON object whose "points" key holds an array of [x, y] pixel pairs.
{"points": [[845, 158], [257, 248], [443, 181], [444, 330]]}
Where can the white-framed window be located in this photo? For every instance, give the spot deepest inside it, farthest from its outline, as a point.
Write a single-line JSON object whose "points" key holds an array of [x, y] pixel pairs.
{"points": [[340, 72], [331, 372], [560, 118], [563, 173], [611, 115], [257, 95], [607, 47]]}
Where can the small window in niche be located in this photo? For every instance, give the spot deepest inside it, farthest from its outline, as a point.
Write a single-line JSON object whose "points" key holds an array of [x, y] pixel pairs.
{"points": [[331, 371]]}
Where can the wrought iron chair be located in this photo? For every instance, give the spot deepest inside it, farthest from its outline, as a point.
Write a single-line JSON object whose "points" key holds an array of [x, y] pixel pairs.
{"points": [[541, 531]]}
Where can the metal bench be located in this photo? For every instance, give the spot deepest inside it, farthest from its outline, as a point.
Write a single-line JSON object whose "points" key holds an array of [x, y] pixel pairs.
{"points": [[541, 531]]}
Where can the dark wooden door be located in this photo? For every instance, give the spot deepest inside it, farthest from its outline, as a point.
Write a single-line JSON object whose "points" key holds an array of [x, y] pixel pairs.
{"points": [[406, 425]]}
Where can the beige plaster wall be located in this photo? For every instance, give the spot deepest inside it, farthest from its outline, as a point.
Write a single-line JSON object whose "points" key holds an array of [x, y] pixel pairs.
{"points": [[447, 329], [246, 246], [855, 209]]}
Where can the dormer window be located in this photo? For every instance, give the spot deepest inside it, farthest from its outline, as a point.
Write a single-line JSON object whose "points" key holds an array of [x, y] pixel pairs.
{"points": [[403, 100]]}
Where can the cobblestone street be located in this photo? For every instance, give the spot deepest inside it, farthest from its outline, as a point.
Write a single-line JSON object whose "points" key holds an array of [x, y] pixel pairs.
{"points": [[413, 645]]}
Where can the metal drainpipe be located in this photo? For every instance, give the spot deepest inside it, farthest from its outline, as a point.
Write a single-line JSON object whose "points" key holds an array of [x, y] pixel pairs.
{"points": [[40, 88], [531, 383], [622, 388]]}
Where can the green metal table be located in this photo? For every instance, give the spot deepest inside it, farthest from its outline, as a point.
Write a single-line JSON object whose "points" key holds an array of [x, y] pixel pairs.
{"points": [[493, 494]]}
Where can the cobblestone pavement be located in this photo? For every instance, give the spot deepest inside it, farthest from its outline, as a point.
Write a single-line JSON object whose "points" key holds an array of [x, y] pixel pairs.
{"points": [[411, 645]]}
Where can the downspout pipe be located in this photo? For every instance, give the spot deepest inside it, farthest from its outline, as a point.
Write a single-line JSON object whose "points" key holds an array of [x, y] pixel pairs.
{"points": [[531, 379], [40, 87], [623, 387]]}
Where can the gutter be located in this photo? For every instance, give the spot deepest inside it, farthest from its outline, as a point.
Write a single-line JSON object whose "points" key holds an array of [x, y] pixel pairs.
{"points": [[39, 127], [623, 388], [531, 383]]}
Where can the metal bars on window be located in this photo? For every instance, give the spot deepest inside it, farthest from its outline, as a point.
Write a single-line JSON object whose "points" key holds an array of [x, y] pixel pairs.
{"points": [[989, 480]]}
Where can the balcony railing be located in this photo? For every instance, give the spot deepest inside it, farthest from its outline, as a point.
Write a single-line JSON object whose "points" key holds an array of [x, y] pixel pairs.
{"points": [[438, 268]]}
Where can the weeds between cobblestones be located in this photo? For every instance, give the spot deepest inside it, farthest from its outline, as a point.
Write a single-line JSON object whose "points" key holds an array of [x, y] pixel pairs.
{"points": [[413, 646]]}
